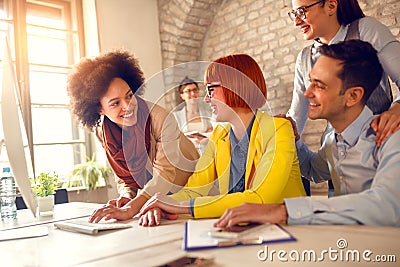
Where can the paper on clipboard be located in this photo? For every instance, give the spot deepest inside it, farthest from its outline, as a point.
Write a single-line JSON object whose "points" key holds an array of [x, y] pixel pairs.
{"points": [[197, 237]]}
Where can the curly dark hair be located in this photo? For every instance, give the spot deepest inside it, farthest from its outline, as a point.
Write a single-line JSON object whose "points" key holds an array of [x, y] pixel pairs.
{"points": [[90, 78]]}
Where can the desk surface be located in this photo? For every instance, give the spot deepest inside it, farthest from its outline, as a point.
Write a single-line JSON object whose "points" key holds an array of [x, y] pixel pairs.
{"points": [[61, 212], [151, 246]]}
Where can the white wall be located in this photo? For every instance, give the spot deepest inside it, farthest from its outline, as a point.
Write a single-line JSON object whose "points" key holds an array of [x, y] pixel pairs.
{"points": [[132, 25], [91, 30]]}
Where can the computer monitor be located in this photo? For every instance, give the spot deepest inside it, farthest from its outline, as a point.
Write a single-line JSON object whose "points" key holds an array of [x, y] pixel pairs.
{"points": [[15, 137]]}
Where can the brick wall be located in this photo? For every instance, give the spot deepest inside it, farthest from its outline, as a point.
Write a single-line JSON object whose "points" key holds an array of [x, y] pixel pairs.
{"points": [[207, 29]]}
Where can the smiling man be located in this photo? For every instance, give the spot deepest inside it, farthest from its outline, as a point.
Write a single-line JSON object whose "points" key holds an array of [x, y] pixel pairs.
{"points": [[366, 177]]}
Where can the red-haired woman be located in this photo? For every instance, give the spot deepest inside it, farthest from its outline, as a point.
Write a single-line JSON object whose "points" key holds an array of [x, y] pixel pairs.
{"points": [[251, 156]]}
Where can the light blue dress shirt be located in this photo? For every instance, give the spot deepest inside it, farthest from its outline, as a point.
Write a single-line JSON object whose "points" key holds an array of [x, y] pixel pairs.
{"points": [[371, 31], [366, 178]]}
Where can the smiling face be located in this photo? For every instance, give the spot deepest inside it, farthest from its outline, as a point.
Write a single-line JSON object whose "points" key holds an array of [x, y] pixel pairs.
{"points": [[189, 92], [220, 110], [324, 92], [319, 20], [119, 103]]}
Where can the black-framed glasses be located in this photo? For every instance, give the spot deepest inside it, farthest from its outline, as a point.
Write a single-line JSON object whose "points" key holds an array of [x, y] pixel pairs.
{"points": [[301, 11], [210, 89], [188, 91]]}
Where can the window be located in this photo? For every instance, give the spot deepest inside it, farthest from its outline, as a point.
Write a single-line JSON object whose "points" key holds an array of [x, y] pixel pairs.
{"points": [[47, 39]]}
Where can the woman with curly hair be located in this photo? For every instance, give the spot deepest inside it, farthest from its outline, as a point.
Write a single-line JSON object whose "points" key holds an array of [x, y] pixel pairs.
{"points": [[140, 138]]}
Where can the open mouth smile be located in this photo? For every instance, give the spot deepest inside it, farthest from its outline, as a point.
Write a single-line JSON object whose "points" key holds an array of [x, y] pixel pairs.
{"points": [[127, 115], [313, 105]]}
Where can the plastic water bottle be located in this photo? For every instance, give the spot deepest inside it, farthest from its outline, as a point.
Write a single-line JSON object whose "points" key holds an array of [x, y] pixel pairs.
{"points": [[8, 195]]}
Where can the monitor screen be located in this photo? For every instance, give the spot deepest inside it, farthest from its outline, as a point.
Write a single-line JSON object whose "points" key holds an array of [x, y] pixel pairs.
{"points": [[15, 137]]}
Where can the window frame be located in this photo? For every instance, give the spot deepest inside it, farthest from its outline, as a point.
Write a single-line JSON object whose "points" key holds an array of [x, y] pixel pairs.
{"points": [[73, 12]]}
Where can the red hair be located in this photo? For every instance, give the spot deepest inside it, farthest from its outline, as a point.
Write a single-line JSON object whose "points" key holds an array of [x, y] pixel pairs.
{"points": [[241, 78]]}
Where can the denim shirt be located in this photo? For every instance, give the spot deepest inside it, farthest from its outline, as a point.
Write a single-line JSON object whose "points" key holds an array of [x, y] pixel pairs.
{"points": [[239, 151], [237, 170]]}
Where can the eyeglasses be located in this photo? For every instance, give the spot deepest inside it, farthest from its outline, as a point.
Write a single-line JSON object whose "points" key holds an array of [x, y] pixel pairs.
{"points": [[210, 89], [188, 91], [301, 11]]}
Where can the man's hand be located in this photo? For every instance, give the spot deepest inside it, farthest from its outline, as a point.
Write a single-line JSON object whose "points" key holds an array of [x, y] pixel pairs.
{"points": [[251, 212]]}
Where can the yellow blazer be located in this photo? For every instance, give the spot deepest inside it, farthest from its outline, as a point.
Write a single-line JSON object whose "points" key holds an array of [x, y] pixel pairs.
{"points": [[272, 169]]}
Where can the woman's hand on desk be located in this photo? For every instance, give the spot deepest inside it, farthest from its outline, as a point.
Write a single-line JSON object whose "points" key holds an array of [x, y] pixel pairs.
{"points": [[109, 212], [153, 217], [159, 205], [126, 212], [119, 202]]}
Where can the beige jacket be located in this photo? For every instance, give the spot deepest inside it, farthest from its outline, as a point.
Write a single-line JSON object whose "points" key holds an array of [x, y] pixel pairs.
{"points": [[172, 156]]}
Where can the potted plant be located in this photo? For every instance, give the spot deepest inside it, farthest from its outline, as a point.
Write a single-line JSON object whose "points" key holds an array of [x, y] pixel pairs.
{"points": [[89, 175], [44, 187]]}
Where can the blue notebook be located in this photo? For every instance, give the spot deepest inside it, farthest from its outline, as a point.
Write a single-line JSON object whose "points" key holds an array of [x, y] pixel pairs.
{"points": [[197, 236]]}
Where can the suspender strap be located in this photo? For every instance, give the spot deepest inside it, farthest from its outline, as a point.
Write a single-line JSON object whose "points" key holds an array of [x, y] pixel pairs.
{"points": [[306, 64], [379, 101], [352, 31]]}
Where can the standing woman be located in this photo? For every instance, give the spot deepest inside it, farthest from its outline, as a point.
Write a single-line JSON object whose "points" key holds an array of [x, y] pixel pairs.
{"points": [[193, 115], [332, 21], [139, 138]]}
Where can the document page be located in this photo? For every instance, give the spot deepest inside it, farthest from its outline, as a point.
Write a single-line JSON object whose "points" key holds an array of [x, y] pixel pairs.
{"points": [[197, 235]]}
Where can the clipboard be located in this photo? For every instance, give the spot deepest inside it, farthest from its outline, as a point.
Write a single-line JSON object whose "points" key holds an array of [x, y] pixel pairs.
{"points": [[196, 236]]}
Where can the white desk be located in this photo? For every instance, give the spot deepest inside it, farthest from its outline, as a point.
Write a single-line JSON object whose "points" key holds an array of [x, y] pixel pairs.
{"points": [[142, 246], [61, 212]]}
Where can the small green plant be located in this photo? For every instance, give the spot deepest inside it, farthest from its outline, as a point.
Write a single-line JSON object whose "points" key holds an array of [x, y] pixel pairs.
{"points": [[45, 184], [88, 174]]}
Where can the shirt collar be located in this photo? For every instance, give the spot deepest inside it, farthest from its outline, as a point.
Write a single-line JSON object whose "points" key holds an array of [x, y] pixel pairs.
{"points": [[353, 131], [340, 36], [245, 138]]}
